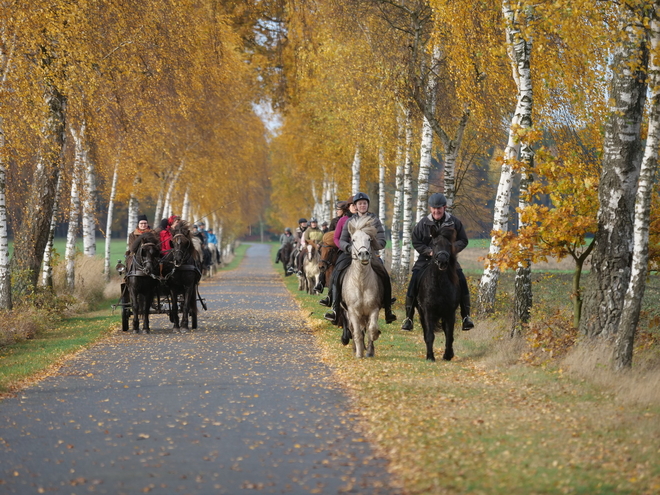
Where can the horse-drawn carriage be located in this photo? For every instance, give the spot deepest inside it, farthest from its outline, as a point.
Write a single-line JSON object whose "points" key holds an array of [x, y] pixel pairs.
{"points": [[161, 285]]}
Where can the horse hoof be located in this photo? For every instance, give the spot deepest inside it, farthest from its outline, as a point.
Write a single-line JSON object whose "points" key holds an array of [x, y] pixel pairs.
{"points": [[430, 358], [136, 332]]}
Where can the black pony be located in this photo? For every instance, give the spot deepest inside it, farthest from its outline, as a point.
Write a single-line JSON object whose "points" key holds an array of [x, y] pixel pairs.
{"points": [[141, 279], [185, 275], [285, 254], [439, 292]]}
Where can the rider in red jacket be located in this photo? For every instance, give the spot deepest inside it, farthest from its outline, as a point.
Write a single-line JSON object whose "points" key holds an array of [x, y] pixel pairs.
{"points": [[166, 235]]}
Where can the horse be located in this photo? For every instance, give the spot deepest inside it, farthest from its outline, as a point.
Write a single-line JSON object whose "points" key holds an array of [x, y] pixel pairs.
{"points": [[328, 253], [141, 279], [285, 255], [362, 289], [310, 269], [439, 292], [185, 275]]}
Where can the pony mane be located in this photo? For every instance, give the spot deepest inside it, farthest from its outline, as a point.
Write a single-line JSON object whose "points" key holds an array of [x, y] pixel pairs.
{"points": [[364, 224], [329, 239], [183, 228]]}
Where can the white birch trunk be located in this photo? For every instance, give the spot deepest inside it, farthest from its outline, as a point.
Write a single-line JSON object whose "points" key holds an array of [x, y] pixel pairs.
{"points": [[159, 214], [623, 152], [406, 227], [133, 206], [74, 208], [5, 272], [357, 163], [381, 186], [47, 264], [167, 208], [632, 305], [519, 53], [108, 224], [185, 210], [88, 196], [398, 203]]}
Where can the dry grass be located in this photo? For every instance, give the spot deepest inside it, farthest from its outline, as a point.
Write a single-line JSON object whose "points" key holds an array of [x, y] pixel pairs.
{"points": [[90, 285]]}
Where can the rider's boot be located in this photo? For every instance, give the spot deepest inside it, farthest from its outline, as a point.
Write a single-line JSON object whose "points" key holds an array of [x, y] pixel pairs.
{"points": [[278, 257], [389, 316], [407, 324], [468, 324], [321, 283]]}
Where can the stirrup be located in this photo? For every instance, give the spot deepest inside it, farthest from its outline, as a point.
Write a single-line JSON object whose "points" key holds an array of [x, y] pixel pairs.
{"points": [[407, 325], [468, 324], [325, 302], [330, 316]]}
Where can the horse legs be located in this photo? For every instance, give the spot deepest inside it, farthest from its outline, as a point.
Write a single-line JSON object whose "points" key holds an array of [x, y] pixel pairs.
{"points": [[429, 333], [135, 304], [448, 328], [174, 309], [358, 334], [373, 332], [185, 311], [146, 306]]}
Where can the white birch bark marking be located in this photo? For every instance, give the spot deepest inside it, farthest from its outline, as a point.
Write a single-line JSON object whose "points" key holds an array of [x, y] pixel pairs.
{"points": [[397, 211], [406, 227], [108, 224], [357, 163], [47, 264]]}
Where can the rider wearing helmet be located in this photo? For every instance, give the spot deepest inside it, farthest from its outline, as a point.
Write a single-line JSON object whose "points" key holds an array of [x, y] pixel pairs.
{"points": [[421, 240], [312, 233], [297, 239], [361, 201], [285, 238]]}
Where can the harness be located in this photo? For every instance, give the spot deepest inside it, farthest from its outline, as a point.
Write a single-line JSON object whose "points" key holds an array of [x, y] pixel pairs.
{"points": [[138, 265]]}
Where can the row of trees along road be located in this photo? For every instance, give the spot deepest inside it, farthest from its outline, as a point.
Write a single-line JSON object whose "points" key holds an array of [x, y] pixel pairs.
{"points": [[116, 103], [552, 103]]}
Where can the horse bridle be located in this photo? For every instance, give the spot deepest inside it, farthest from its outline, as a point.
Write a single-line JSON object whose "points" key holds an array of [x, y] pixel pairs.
{"points": [[175, 240], [138, 259]]}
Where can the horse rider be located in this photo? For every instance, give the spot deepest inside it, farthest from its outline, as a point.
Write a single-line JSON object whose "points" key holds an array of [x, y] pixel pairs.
{"points": [[166, 234], [285, 238], [312, 233], [344, 210], [361, 201], [297, 238], [142, 227], [421, 240], [202, 234], [213, 244], [324, 227]]}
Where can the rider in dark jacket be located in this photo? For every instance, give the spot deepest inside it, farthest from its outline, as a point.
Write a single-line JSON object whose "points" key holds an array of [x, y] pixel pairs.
{"points": [[421, 240]]}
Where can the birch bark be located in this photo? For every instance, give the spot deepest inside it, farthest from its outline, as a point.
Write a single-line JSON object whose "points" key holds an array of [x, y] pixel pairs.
{"points": [[29, 247], [5, 273], [632, 305], [167, 205], [397, 208], [406, 227], [622, 154], [47, 263], [88, 200], [185, 209], [74, 209], [357, 163], [519, 51], [108, 224]]}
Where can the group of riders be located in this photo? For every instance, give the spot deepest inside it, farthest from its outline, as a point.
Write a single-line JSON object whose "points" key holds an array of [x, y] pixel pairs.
{"points": [[350, 211], [207, 239]]}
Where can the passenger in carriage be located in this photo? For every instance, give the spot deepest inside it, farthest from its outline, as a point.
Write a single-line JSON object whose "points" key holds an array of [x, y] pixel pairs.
{"points": [[166, 233], [361, 201]]}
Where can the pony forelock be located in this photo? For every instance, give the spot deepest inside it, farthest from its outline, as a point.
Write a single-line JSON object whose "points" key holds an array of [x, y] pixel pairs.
{"points": [[364, 224]]}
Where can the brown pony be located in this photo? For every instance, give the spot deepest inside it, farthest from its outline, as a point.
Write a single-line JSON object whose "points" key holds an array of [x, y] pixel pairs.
{"points": [[329, 254]]}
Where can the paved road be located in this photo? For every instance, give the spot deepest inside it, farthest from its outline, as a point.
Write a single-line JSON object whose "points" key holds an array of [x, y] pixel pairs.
{"points": [[243, 404]]}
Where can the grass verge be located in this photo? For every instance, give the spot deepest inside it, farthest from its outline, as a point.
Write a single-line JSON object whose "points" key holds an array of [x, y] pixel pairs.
{"points": [[484, 422]]}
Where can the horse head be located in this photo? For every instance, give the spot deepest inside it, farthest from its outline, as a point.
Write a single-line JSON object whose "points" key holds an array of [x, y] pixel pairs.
{"points": [[147, 253], [362, 232], [327, 251], [442, 245], [181, 243]]}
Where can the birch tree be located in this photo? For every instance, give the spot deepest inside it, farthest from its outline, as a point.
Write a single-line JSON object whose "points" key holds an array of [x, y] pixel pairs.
{"points": [[108, 224], [632, 304], [355, 169], [407, 225], [622, 154]]}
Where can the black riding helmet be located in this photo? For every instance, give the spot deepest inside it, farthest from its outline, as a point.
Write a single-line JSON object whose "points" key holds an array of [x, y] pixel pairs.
{"points": [[302, 220], [437, 200], [360, 196]]}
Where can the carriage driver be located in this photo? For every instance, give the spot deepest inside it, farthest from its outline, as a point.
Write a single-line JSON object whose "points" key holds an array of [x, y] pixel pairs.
{"points": [[421, 240], [361, 201], [142, 227]]}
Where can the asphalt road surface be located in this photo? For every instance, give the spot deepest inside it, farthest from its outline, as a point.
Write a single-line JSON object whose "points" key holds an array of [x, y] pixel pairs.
{"points": [[241, 405]]}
